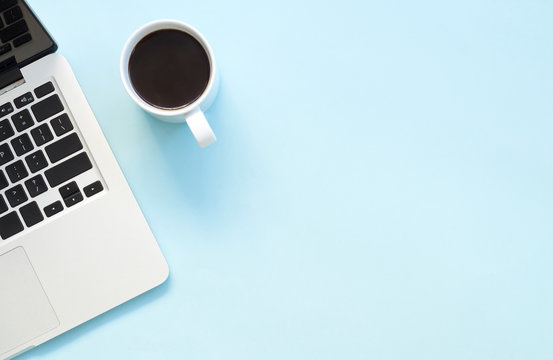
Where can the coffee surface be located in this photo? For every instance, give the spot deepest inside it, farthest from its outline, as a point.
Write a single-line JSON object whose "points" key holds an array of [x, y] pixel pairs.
{"points": [[169, 69]]}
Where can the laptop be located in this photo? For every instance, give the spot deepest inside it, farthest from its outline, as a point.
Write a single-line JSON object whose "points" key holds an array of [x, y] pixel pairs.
{"points": [[74, 242]]}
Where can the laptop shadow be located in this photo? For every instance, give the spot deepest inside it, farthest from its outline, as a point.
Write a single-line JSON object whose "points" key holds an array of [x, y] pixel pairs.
{"points": [[120, 311], [204, 176]]}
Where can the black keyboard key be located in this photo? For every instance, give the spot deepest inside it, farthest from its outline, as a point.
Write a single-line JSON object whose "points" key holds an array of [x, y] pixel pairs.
{"points": [[42, 134], [1, 24], [53, 208], [61, 124], [36, 185], [4, 49], [73, 199], [3, 180], [6, 4], [64, 147], [6, 130], [13, 15], [68, 169], [3, 205], [47, 107], [44, 89], [93, 188], [10, 225], [68, 189], [16, 171], [23, 100], [22, 144], [13, 31], [16, 195], [31, 214], [36, 161], [6, 154], [23, 39], [6, 109], [22, 120]]}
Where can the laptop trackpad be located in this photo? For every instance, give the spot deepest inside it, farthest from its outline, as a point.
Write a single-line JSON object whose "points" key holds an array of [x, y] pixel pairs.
{"points": [[25, 311]]}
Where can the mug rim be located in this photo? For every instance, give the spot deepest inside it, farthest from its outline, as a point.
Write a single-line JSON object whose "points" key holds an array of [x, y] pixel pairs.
{"points": [[140, 34]]}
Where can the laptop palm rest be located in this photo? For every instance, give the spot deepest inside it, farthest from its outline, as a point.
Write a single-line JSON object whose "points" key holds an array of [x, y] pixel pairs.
{"points": [[25, 311]]}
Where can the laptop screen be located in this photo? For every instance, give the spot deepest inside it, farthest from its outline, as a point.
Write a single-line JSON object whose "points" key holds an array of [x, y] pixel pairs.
{"points": [[23, 39]]}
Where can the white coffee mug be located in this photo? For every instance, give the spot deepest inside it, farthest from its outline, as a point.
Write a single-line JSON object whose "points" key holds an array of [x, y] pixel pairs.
{"points": [[193, 113]]}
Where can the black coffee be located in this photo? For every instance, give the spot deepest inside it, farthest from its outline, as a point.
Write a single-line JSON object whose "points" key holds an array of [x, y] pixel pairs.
{"points": [[169, 69]]}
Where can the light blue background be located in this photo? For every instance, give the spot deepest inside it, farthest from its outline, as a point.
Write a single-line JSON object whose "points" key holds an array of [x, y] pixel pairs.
{"points": [[381, 187]]}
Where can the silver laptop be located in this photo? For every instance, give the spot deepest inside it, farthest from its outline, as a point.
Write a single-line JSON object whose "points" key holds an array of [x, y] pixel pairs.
{"points": [[74, 242]]}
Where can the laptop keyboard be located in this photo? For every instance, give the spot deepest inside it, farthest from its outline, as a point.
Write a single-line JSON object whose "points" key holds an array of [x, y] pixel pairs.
{"points": [[41, 158], [14, 31]]}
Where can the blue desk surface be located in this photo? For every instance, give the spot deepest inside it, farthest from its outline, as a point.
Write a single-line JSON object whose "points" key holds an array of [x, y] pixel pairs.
{"points": [[381, 187]]}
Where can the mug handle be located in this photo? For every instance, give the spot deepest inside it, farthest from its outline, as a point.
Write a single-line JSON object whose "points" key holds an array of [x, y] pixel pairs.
{"points": [[200, 128]]}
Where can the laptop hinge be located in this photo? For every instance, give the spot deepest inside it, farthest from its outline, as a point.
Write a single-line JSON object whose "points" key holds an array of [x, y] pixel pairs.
{"points": [[10, 75]]}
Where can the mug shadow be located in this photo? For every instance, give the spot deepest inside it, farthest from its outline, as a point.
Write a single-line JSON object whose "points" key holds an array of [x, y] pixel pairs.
{"points": [[203, 175]]}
